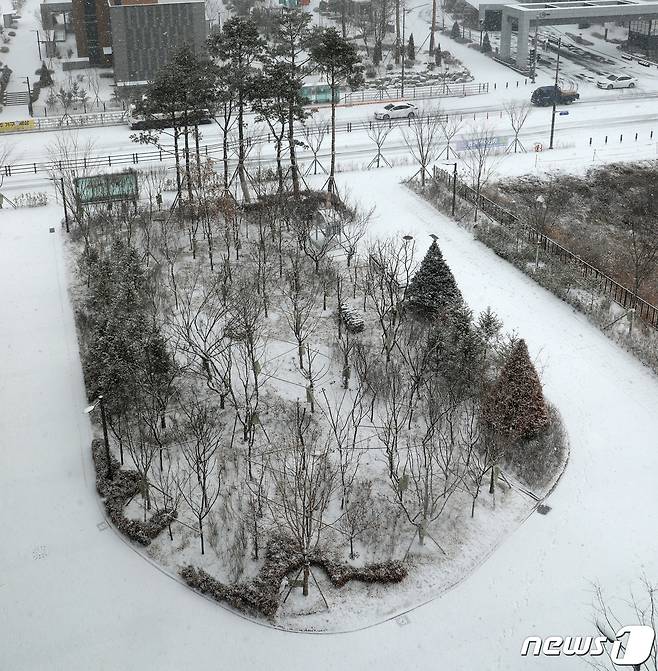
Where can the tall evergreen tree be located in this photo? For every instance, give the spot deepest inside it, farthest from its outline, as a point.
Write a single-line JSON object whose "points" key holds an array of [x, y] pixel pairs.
{"points": [[455, 32], [339, 62], [239, 46], [486, 44], [459, 352], [515, 408], [182, 91], [411, 48], [433, 288], [291, 36]]}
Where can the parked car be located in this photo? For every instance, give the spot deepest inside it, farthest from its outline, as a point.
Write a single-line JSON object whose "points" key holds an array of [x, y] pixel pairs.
{"points": [[617, 82], [397, 111], [546, 95]]}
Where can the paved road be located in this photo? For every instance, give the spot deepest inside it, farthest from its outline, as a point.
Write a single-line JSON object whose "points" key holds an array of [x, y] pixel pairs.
{"points": [[74, 597]]}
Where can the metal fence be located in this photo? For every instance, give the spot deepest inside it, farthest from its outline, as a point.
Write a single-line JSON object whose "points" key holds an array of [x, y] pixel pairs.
{"points": [[441, 90], [605, 284]]}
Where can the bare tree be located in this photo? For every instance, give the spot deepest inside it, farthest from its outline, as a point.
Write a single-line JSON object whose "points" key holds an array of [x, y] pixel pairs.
{"points": [[345, 412], [477, 157], [199, 323], [300, 305], [315, 132], [303, 478], [378, 133], [641, 610], [390, 263], [359, 515], [430, 473], [422, 139], [136, 437], [450, 127], [517, 113], [201, 435]]}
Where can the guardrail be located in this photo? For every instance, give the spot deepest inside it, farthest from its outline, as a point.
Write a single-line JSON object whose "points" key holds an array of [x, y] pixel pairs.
{"points": [[606, 285], [442, 90]]}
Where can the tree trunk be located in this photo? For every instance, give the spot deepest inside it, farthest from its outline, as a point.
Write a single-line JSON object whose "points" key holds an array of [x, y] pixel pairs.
{"points": [[203, 547], [332, 171], [241, 152], [306, 576]]}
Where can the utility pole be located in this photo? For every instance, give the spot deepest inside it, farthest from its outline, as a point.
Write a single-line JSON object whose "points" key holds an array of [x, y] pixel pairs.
{"points": [[38, 43], [557, 72], [404, 50], [66, 209], [29, 97], [397, 32], [433, 28]]}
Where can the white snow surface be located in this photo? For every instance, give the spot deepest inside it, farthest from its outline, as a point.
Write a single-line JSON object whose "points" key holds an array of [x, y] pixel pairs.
{"points": [[74, 596]]}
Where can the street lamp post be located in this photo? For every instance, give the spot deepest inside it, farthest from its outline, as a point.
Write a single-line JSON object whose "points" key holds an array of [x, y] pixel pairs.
{"points": [[91, 408], [38, 43]]}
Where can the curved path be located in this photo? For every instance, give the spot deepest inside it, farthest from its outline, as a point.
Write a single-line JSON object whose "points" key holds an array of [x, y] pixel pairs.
{"points": [[72, 597]]}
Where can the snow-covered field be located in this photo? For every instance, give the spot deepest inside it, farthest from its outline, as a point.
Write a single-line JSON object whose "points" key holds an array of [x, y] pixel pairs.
{"points": [[73, 595]]}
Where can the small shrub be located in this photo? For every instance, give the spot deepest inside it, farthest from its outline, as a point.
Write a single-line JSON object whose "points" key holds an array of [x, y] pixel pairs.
{"points": [[37, 199], [371, 73], [4, 49]]}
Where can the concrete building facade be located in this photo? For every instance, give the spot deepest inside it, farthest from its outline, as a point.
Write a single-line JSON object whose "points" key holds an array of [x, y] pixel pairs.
{"points": [[91, 23], [524, 15], [146, 33]]}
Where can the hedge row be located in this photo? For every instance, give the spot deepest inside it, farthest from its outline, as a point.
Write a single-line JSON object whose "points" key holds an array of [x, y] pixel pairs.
{"points": [[116, 492], [260, 595]]}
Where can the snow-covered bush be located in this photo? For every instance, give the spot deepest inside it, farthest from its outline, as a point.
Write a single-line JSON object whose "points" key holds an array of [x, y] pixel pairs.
{"points": [[35, 199], [122, 487], [260, 595]]}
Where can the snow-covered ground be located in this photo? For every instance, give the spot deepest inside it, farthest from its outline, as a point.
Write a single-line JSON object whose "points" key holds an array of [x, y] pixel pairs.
{"points": [[73, 595]]}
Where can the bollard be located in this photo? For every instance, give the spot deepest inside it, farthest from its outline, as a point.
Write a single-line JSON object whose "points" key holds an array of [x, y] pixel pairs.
{"points": [[494, 86], [109, 161], [651, 135], [621, 137], [590, 142], [606, 140], [517, 83], [636, 137], [506, 85]]}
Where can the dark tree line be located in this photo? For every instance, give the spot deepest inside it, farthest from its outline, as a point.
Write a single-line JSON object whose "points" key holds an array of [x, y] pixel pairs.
{"points": [[242, 72]]}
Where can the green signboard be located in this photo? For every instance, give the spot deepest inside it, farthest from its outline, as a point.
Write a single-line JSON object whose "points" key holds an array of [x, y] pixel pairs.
{"points": [[106, 188]]}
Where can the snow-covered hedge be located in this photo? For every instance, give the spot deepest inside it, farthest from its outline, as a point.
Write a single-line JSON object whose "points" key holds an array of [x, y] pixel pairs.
{"points": [[260, 595], [116, 492], [351, 318], [36, 199]]}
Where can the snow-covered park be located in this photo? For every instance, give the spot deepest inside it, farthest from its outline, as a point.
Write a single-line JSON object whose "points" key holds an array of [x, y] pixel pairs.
{"points": [[75, 593]]}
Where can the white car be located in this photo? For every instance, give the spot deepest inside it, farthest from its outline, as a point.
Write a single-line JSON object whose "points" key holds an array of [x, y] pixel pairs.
{"points": [[396, 111], [617, 82]]}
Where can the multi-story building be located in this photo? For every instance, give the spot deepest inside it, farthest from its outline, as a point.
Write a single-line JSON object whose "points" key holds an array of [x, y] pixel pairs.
{"points": [[137, 37], [145, 34], [93, 36]]}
